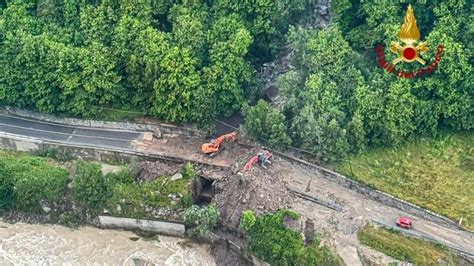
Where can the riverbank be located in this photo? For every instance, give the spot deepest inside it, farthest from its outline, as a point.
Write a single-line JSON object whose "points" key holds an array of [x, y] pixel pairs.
{"points": [[38, 244]]}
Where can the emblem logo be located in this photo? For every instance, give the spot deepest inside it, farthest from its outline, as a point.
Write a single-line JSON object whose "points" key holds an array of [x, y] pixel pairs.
{"points": [[409, 51]]}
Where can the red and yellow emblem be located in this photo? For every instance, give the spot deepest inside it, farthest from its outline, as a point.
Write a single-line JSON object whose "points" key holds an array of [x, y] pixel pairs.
{"points": [[409, 35], [410, 51]]}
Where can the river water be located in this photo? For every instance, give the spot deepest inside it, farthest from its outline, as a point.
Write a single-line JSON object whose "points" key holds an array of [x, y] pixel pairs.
{"points": [[34, 244]]}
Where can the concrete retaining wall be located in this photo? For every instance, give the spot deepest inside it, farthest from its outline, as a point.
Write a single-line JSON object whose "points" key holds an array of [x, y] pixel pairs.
{"points": [[378, 195], [163, 128], [164, 228]]}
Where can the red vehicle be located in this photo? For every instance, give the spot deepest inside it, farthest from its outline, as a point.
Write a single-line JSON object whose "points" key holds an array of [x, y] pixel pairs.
{"points": [[404, 222]]}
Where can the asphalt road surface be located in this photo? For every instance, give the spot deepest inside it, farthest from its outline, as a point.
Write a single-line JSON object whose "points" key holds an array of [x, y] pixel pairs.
{"points": [[104, 138]]}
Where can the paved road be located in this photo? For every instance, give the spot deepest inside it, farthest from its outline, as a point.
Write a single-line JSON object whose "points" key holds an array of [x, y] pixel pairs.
{"points": [[105, 138]]}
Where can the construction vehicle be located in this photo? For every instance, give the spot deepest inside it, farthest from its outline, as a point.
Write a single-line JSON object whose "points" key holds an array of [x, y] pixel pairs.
{"points": [[261, 158], [212, 148]]}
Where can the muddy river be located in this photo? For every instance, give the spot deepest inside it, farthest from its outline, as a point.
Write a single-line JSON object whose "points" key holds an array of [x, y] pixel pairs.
{"points": [[50, 244]]}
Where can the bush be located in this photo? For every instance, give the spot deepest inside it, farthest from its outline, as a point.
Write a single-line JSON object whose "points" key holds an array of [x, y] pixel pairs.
{"points": [[201, 220], [90, 188], [128, 200], [26, 182], [125, 176], [6, 186], [248, 220], [270, 240], [69, 219], [188, 171], [266, 124], [314, 254], [41, 183], [134, 198]]}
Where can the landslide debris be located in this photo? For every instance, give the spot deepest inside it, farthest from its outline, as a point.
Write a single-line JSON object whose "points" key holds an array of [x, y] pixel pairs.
{"points": [[258, 191], [149, 171]]}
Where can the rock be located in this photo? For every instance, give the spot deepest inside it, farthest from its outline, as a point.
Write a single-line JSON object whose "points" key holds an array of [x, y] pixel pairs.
{"points": [[308, 232], [350, 256], [176, 176], [291, 223], [46, 209], [148, 136], [157, 133], [107, 168], [141, 262]]}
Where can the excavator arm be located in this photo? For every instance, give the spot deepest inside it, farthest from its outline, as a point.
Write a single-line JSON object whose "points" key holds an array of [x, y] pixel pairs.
{"points": [[213, 147], [254, 160]]}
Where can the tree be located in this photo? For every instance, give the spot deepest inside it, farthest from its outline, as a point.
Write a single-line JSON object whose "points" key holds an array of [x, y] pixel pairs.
{"points": [[266, 124], [90, 188], [174, 90], [201, 220], [41, 185], [319, 93]]}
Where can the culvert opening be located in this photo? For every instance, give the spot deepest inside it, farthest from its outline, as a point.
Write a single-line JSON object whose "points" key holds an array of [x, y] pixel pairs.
{"points": [[207, 192]]}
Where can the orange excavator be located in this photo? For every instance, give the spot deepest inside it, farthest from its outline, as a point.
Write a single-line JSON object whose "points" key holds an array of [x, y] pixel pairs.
{"points": [[212, 148]]}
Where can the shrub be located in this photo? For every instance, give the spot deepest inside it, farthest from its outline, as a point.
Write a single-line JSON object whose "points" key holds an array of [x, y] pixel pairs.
{"points": [[314, 254], [6, 186], [125, 176], [248, 220], [90, 188], [40, 183], [188, 171], [128, 200], [134, 198], [26, 181], [69, 219], [201, 220], [266, 124], [270, 240]]}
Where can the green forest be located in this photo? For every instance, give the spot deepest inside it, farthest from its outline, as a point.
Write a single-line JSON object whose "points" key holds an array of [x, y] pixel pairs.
{"points": [[192, 61]]}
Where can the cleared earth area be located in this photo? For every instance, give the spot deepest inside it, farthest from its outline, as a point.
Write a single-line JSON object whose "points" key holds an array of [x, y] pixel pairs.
{"points": [[437, 174]]}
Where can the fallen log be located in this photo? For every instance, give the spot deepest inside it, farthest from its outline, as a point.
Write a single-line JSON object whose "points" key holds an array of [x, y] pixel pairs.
{"points": [[313, 198]]}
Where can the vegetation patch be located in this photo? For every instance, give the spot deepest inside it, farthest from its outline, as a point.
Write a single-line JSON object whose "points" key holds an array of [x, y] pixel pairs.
{"points": [[201, 220], [269, 239], [28, 182], [437, 174], [39, 185], [405, 248]]}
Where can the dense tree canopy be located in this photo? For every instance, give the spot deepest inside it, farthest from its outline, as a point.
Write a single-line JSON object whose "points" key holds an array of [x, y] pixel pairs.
{"points": [[192, 60], [339, 101], [178, 60]]}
